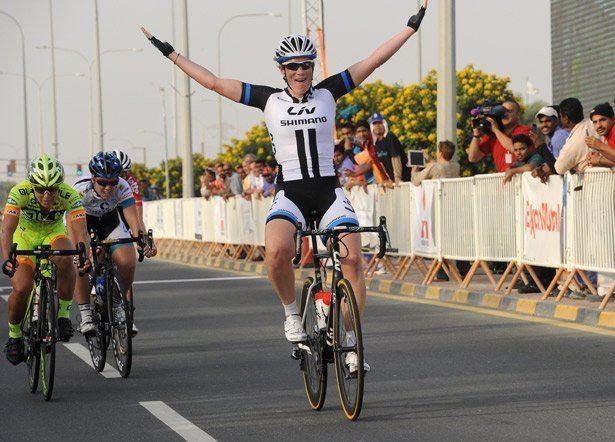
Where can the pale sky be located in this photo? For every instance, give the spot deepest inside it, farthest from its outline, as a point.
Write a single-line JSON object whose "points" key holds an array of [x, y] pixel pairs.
{"points": [[498, 36]]}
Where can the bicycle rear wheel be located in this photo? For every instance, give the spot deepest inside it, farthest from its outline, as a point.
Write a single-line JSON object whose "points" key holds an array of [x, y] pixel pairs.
{"points": [[48, 333], [31, 346], [313, 366], [346, 320], [121, 330], [97, 344]]}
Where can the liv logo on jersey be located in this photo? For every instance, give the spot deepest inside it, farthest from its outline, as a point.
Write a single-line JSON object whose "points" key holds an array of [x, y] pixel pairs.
{"points": [[292, 111]]}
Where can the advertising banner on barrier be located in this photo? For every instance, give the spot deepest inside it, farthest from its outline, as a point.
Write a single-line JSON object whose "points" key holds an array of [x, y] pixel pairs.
{"points": [[198, 225], [245, 210], [542, 220], [423, 228], [219, 206]]}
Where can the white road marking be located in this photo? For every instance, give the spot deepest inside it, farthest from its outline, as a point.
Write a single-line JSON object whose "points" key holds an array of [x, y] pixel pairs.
{"points": [[5, 297], [227, 278], [176, 422], [84, 354], [160, 281]]}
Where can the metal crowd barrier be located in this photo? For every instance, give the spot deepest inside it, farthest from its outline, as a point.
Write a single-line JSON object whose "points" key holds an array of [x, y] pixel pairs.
{"points": [[568, 224]]}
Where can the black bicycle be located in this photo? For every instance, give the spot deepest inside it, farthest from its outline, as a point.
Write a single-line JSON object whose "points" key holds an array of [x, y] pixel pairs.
{"points": [[112, 311], [332, 337], [40, 324]]}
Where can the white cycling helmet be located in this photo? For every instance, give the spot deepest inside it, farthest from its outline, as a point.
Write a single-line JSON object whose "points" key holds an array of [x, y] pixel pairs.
{"points": [[294, 46], [124, 159]]}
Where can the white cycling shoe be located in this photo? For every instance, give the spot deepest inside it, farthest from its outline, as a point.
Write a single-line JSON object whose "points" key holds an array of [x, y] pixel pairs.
{"points": [[351, 362], [293, 329], [87, 327]]}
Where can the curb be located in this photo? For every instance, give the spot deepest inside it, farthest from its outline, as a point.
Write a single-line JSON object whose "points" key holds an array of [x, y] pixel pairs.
{"points": [[181, 251]]}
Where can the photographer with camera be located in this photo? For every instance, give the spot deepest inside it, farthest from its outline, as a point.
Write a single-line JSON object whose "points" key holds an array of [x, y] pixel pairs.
{"points": [[492, 132]]}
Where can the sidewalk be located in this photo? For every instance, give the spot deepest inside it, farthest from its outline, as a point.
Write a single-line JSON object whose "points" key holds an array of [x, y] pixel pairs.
{"points": [[479, 294]]}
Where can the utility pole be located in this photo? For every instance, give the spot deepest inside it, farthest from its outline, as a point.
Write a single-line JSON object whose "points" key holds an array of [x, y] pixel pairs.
{"points": [[447, 79], [184, 88], [54, 114], [174, 84], [101, 143], [166, 143]]}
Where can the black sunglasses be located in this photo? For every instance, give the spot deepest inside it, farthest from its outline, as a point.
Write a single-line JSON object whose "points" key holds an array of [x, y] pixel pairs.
{"points": [[41, 190], [295, 66], [106, 183]]}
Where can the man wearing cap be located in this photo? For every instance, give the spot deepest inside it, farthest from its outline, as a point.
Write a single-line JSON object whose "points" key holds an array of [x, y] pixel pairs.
{"points": [[603, 153], [388, 148], [554, 134]]}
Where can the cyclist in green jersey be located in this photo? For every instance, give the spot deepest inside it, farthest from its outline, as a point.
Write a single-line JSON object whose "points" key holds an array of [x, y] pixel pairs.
{"points": [[34, 216]]}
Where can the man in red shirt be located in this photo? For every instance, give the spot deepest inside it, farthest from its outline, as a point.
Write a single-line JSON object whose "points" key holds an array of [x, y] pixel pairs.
{"points": [[603, 154], [499, 145]]}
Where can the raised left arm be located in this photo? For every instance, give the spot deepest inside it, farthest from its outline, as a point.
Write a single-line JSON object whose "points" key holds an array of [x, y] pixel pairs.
{"points": [[363, 69]]}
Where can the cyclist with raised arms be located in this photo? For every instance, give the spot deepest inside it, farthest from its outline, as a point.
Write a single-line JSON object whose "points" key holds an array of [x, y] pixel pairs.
{"points": [[102, 194], [34, 216], [301, 123]]}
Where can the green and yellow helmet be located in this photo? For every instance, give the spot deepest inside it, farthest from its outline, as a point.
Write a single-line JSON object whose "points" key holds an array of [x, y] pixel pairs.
{"points": [[45, 171]]}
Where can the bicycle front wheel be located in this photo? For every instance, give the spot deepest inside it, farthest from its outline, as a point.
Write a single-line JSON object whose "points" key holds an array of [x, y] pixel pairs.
{"points": [[348, 345], [313, 365], [97, 344], [31, 347], [48, 333], [121, 329]]}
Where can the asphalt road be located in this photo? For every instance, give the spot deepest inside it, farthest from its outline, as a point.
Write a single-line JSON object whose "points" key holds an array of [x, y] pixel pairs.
{"points": [[213, 351]]}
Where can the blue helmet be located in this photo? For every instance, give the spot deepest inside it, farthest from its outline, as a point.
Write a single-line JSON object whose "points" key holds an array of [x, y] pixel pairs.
{"points": [[105, 165]]}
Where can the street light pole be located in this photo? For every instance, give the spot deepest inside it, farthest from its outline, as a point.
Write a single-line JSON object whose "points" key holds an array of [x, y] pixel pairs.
{"points": [[25, 97], [101, 145], [447, 80], [419, 45], [256, 14], [166, 144], [174, 84], [184, 86], [53, 86]]}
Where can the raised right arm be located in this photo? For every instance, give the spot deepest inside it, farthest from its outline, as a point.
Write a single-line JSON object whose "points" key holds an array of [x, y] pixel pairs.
{"points": [[228, 88]]}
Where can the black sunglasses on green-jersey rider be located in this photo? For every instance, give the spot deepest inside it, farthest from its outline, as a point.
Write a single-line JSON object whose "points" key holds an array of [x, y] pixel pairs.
{"points": [[42, 189]]}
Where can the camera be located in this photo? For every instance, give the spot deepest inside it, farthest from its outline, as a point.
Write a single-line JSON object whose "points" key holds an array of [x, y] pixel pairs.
{"points": [[497, 112]]}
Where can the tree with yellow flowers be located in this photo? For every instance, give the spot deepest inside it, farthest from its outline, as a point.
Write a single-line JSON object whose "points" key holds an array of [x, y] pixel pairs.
{"points": [[411, 110]]}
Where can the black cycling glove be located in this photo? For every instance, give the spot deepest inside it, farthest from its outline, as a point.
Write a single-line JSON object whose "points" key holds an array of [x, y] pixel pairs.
{"points": [[415, 21], [164, 47], [6, 270]]}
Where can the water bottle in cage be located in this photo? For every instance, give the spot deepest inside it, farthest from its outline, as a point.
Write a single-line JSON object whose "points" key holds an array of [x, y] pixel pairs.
{"points": [[322, 299], [100, 289]]}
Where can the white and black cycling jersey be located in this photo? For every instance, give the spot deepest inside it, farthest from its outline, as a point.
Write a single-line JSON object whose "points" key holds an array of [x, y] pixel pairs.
{"points": [[302, 131], [95, 205]]}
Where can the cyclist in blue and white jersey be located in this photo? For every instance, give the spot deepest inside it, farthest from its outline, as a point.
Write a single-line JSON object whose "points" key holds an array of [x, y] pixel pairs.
{"points": [[102, 195], [301, 123]]}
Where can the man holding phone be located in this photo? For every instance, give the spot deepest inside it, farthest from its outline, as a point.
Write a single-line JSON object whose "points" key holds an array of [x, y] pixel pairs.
{"points": [[443, 167]]}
